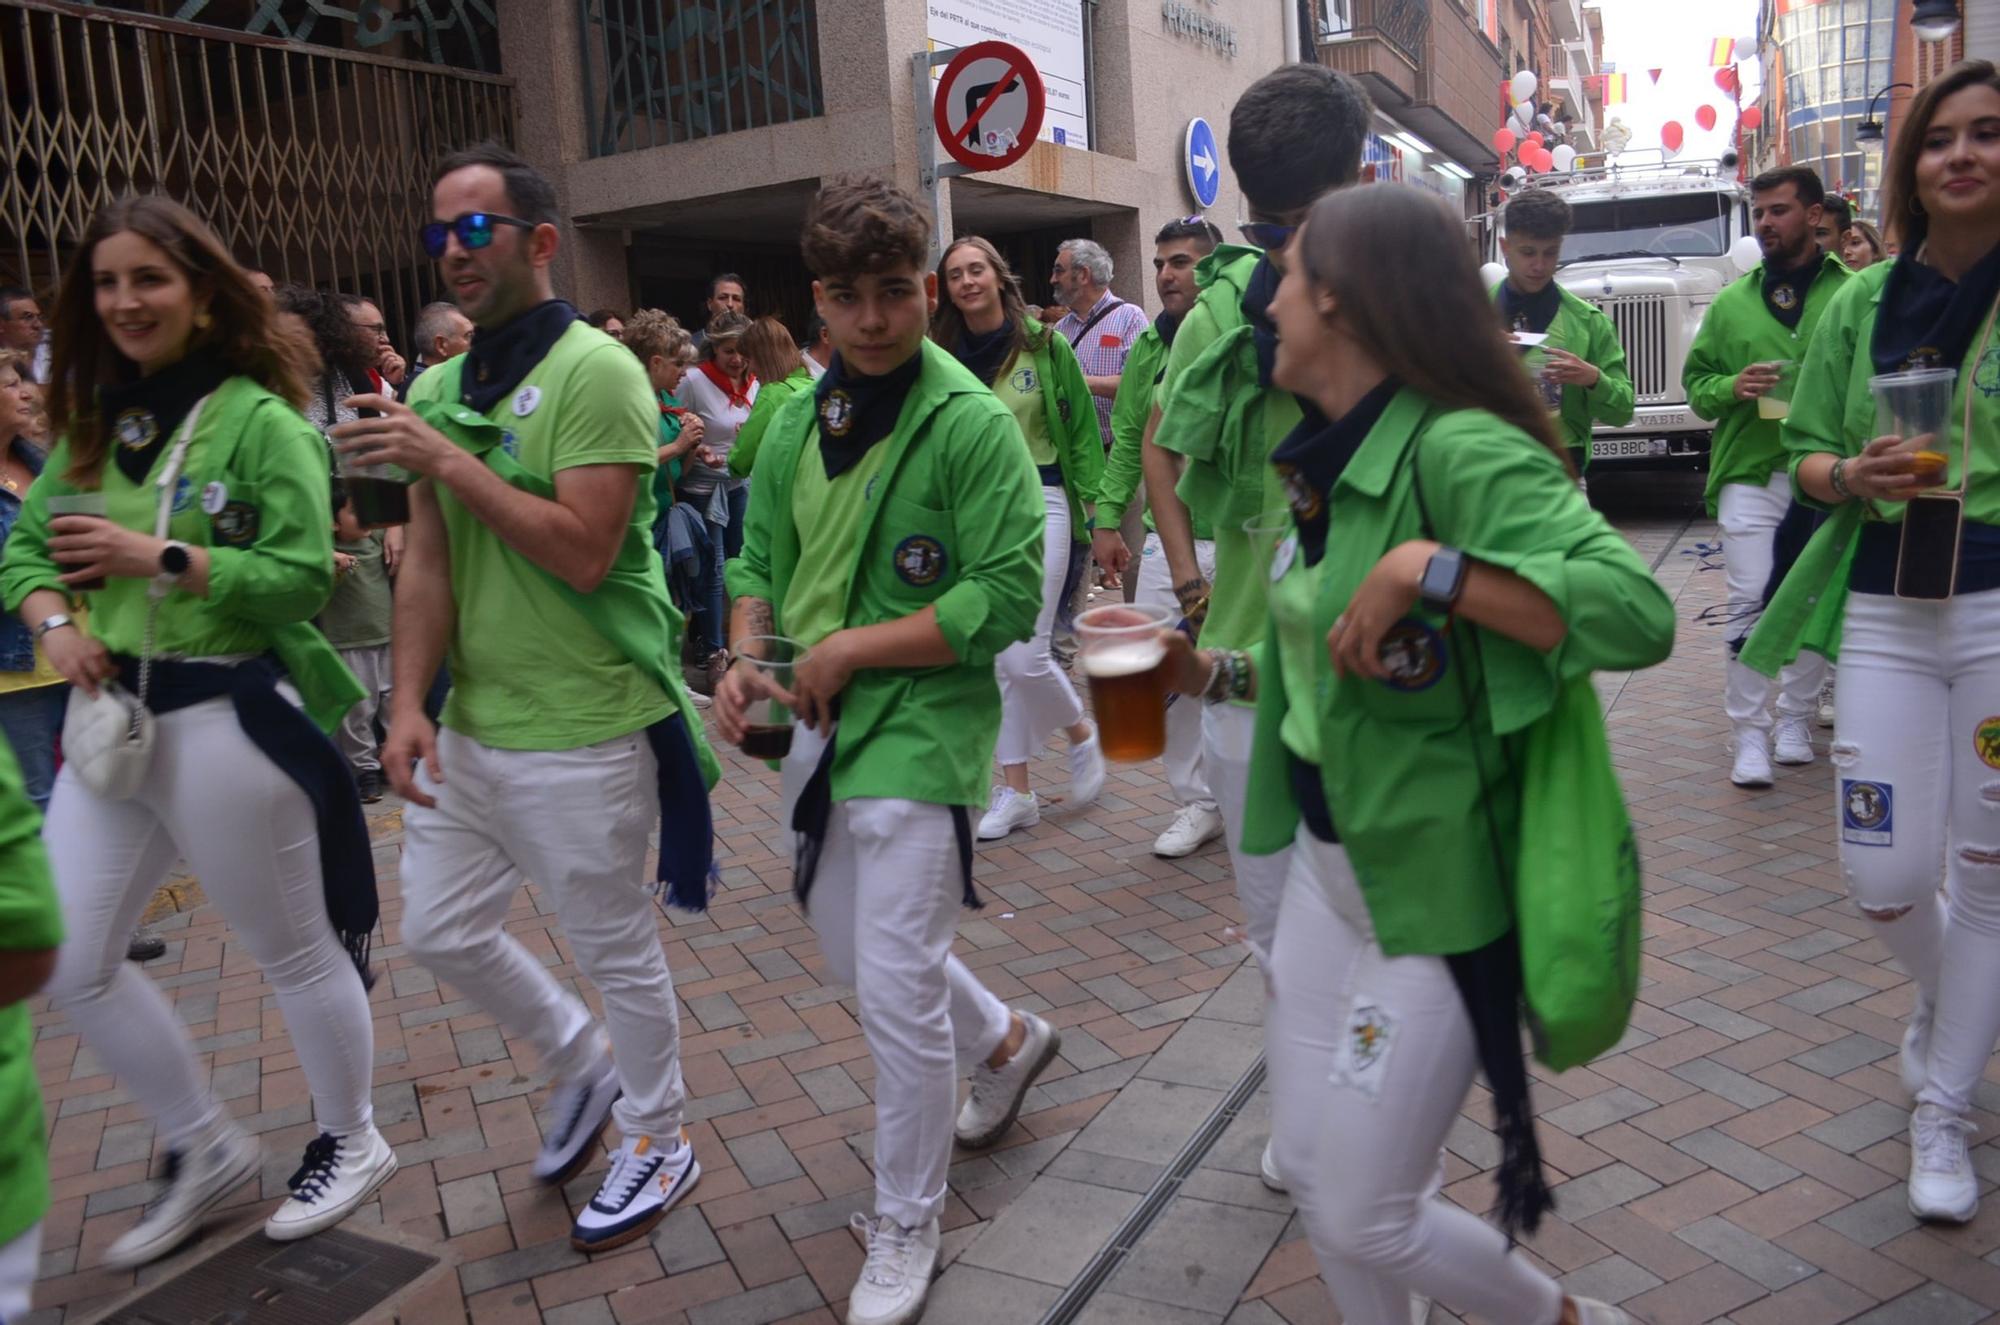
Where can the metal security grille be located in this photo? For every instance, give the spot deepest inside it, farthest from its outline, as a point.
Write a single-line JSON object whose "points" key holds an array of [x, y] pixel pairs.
{"points": [[312, 164], [1642, 329], [669, 71]]}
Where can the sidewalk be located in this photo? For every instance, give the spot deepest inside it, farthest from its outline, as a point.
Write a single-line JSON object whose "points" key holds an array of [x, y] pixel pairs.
{"points": [[1739, 1160]]}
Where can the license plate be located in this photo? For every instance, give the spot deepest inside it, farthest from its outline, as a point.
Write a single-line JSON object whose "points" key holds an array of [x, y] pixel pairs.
{"points": [[1625, 448]]}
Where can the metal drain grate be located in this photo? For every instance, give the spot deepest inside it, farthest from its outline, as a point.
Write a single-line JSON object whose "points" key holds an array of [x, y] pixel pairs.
{"points": [[328, 1279]]}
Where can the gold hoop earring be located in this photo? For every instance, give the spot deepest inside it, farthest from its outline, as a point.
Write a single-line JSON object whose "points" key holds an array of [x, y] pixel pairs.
{"points": [[202, 321]]}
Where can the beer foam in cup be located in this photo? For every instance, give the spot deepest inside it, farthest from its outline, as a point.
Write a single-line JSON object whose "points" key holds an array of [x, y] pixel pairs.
{"points": [[1123, 659]]}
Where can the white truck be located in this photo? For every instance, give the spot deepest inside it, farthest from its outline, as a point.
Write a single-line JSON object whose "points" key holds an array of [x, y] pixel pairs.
{"points": [[1650, 244]]}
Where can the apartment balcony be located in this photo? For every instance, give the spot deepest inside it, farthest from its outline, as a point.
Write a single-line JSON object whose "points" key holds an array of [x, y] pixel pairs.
{"points": [[1424, 64], [1566, 16]]}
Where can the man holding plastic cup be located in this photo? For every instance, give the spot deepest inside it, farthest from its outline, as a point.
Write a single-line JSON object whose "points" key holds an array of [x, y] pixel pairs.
{"points": [[1756, 326]]}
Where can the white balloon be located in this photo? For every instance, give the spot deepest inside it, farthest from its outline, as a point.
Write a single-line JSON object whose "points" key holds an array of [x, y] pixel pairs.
{"points": [[1746, 50], [1564, 157], [1523, 85], [1746, 253], [1492, 274]]}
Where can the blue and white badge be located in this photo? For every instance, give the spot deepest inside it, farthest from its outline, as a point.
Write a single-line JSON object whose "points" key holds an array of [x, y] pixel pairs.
{"points": [[1281, 560], [214, 497], [1867, 813], [526, 400]]}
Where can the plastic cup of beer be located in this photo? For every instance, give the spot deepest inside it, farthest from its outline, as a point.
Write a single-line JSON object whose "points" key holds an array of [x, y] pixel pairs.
{"points": [[767, 732], [1268, 530], [79, 503], [1777, 402], [1120, 652], [1916, 407]]}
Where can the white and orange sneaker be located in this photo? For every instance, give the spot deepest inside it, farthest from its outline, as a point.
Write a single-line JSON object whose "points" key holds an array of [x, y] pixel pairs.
{"points": [[644, 1182]]}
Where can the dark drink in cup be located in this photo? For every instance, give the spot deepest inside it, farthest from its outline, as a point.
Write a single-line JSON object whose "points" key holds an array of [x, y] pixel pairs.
{"points": [[766, 740], [79, 503], [1124, 658], [767, 727], [377, 502]]}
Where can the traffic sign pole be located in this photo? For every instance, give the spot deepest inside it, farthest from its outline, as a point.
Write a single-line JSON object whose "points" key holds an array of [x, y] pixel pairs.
{"points": [[930, 172]]}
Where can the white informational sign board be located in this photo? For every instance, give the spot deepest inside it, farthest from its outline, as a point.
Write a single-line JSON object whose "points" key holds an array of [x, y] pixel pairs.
{"points": [[1050, 31]]}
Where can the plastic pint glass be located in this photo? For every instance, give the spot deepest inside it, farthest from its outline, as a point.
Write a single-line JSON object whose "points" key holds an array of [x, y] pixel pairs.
{"points": [[1916, 406], [1121, 653], [1777, 402]]}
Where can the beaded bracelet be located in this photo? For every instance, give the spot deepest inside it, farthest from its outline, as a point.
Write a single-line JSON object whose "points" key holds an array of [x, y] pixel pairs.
{"points": [[1837, 476]]}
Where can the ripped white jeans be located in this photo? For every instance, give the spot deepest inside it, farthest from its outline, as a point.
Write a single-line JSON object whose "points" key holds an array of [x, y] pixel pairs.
{"points": [[1917, 782]]}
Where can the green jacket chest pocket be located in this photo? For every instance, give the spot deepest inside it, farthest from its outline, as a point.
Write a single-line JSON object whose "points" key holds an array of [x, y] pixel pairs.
{"points": [[913, 555], [1424, 688]]}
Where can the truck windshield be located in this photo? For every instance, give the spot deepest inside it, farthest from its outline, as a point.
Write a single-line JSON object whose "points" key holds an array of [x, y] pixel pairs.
{"points": [[1682, 225]]}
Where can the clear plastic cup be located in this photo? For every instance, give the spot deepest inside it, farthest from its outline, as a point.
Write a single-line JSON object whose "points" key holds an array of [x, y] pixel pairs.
{"points": [[1916, 407], [1777, 402], [1268, 530], [1119, 650], [768, 725], [79, 503], [1538, 361]]}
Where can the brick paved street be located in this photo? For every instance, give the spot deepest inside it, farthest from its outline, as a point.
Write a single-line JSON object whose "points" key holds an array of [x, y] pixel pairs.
{"points": [[1740, 1159]]}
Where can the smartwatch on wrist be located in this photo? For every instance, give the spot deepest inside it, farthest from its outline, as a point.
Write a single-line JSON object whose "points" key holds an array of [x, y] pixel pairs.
{"points": [[174, 560], [1443, 580]]}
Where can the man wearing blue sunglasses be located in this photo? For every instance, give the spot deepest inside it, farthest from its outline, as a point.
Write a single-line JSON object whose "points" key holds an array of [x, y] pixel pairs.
{"points": [[567, 731]]}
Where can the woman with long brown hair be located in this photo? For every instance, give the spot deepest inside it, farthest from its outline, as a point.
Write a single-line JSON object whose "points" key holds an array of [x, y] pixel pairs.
{"points": [[188, 504], [1439, 581], [1861, 247], [984, 321], [781, 372], [1915, 739]]}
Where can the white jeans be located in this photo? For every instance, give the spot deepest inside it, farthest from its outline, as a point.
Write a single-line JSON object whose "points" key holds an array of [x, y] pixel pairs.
{"points": [[1227, 731], [1035, 697], [1371, 1057], [213, 799], [1749, 514], [1917, 753], [1183, 756], [356, 736], [885, 905], [576, 823], [19, 1260]]}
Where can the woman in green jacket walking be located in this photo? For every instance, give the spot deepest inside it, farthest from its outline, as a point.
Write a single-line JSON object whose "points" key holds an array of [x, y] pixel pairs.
{"points": [[1441, 581], [175, 394], [1916, 741], [1035, 374]]}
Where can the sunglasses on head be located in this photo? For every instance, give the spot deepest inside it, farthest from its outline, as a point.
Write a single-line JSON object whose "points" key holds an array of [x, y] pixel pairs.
{"points": [[1268, 235], [474, 230]]}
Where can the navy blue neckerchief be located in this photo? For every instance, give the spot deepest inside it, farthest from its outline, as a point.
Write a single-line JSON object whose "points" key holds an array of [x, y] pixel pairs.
{"points": [[1785, 289], [857, 411], [1530, 312], [146, 411], [302, 752], [1257, 296], [1314, 454], [1926, 320], [501, 356], [1169, 326], [986, 354]]}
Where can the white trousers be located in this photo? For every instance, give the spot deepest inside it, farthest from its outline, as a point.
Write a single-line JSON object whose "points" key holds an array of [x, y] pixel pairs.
{"points": [[356, 736], [1371, 1057], [1183, 755], [1227, 731], [1035, 697], [1917, 756], [19, 1260], [213, 799], [885, 905], [1749, 515], [576, 823]]}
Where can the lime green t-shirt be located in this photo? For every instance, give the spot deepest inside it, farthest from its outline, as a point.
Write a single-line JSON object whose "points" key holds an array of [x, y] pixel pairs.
{"points": [[528, 672], [1301, 645], [667, 475], [828, 513], [30, 921], [1020, 390]]}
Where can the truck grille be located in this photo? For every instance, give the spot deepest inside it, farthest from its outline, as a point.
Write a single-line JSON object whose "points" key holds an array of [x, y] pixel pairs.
{"points": [[1641, 321]]}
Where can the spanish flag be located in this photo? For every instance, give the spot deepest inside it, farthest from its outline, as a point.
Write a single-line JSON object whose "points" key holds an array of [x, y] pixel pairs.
{"points": [[1722, 51], [1614, 89]]}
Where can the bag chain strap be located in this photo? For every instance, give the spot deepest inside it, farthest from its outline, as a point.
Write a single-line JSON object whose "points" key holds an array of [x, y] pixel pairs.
{"points": [[156, 592]]}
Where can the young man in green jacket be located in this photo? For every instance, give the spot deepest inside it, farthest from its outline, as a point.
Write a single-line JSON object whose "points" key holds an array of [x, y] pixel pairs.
{"points": [[1177, 249], [895, 532], [1757, 326], [1585, 381], [30, 929]]}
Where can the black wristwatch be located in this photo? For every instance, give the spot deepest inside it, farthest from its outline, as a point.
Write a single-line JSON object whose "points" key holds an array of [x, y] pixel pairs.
{"points": [[174, 560], [1443, 581]]}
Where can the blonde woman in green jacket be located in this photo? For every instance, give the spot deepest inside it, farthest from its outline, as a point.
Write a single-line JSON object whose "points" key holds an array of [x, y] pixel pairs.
{"points": [[1034, 372], [166, 356], [1442, 581]]}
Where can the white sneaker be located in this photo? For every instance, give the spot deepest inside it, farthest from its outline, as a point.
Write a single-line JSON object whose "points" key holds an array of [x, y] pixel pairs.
{"points": [[1943, 1186], [1589, 1311], [578, 1111], [643, 1184], [336, 1176], [1191, 828], [1267, 1169], [1420, 1309], [1916, 1056], [1753, 759], [1793, 743], [996, 1091], [1825, 714], [197, 1180], [1086, 772], [1009, 809], [896, 1277]]}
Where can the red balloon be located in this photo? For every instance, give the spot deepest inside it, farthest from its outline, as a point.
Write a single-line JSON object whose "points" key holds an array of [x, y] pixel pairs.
{"points": [[1726, 79], [1503, 141], [1705, 116], [1535, 139], [1750, 119], [1544, 159], [1671, 135]]}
